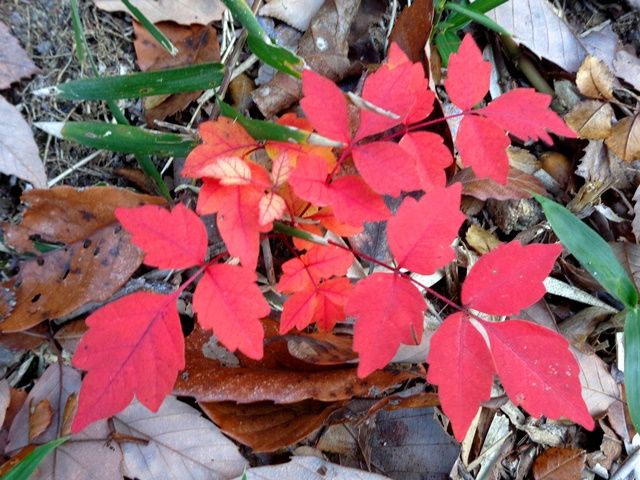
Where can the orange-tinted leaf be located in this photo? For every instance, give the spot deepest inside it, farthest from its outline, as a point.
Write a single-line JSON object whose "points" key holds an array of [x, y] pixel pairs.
{"points": [[319, 262], [468, 75], [176, 239], [483, 147], [460, 365], [332, 297], [228, 301], [134, 346], [223, 138], [298, 310], [509, 278], [270, 207], [229, 170], [389, 311], [309, 180], [421, 233]]}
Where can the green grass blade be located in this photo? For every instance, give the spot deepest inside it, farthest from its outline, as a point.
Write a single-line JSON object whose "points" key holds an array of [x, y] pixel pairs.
{"points": [[121, 138], [259, 42], [632, 364], [155, 32], [78, 35], [477, 17], [26, 467], [456, 21], [143, 84], [447, 42], [593, 253]]}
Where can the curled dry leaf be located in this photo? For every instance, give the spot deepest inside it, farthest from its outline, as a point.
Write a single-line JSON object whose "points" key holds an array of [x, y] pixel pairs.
{"points": [[266, 427], [297, 13], [15, 64], [39, 419], [594, 79], [19, 154], [186, 13], [559, 464], [624, 140], [591, 119]]}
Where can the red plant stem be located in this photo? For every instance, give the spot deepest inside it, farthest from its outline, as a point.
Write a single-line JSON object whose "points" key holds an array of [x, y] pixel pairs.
{"points": [[202, 268]]}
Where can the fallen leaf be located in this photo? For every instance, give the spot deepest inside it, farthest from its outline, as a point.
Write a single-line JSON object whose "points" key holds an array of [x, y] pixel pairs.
{"points": [[534, 24], [321, 348], [15, 64], [559, 464], [39, 419], [594, 79], [266, 427], [624, 140], [19, 154], [297, 13], [184, 12], [601, 168], [324, 47], [480, 239], [195, 43], [591, 119], [70, 334], [412, 29], [308, 468], [599, 388], [519, 185], [5, 399], [189, 445], [626, 65]]}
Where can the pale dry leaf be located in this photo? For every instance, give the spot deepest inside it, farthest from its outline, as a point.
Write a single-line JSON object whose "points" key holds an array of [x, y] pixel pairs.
{"points": [[624, 140], [185, 12], [180, 444], [480, 239], [5, 399], [602, 42], [19, 154], [594, 79], [15, 64], [600, 166], [626, 65], [308, 468], [635, 225], [534, 24], [297, 13], [591, 119], [599, 388]]}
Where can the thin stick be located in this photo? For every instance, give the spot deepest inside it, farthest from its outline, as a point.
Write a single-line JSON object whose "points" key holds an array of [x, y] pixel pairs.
{"points": [[73, 168]]}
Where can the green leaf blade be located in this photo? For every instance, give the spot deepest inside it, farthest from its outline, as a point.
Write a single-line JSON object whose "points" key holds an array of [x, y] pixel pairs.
{"points": [[26, 467], [593, 253], [155, 32], [632, 363], [176, 80]]}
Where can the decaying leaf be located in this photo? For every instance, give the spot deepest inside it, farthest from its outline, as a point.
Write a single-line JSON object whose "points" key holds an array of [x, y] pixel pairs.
{"points": [[39, 419], [297, 13], [591, 119], [15, 64], [412, 29], [480, 239], [599, 388], [309, 468], [624, 140], [559, 464], [19, 154], [190, 446], [594, 79], [184, 12], [519, 185], [265, 426]]}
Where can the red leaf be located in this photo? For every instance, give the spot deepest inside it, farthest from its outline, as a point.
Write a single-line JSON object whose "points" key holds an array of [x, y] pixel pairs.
{"points": [[424, 246], [298, 310], [509, 278], [309, 180], [398, 87], [386, 167], [222, 138], [176, 239], [332, 296], [238, 218], [460, 364], [525, 113], [431, 158], [228, 301], [354, 202], [389, 311], [537, 370], [325, 106], [133, 346], [483, 147], [468, 75], [318, 263]]}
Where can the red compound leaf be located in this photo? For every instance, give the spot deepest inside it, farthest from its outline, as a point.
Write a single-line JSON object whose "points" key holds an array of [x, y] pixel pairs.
{"points": [[424, 245], [431, 158], [309, 180], [134, 346], [332, 296], [176, 239], [389, 311], [509, 278], [354, 202], [468, 75], [325, 107], [228, 301], [460, 364], [318, 263]]}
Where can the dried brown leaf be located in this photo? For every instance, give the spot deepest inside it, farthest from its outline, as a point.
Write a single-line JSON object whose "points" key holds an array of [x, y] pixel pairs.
{"points": [[184, 12], [559, 464], [518, 186], [266, 427], [413, 28], [70, 334], [481, 240], [594, 79], [599, 388], [39, 419], [15, 64], [19, 154], [591, 119], [624, 140]]}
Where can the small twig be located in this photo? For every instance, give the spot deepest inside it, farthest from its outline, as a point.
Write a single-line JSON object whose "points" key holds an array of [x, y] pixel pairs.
{"points": [[73, 168]]}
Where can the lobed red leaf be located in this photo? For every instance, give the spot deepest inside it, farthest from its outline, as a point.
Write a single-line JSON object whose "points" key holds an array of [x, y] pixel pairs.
{"points": [[468, 75], [325, 107], [354, 202]]}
